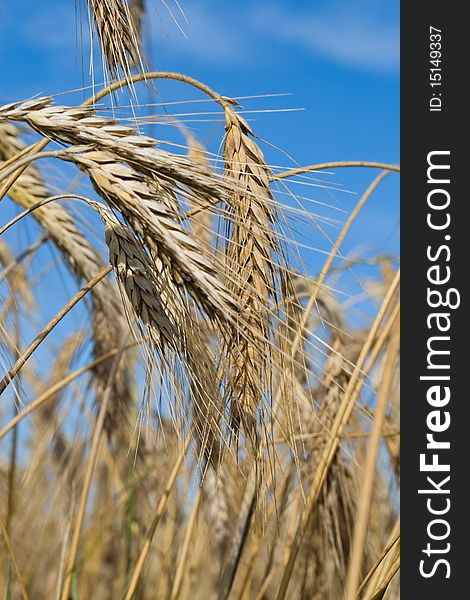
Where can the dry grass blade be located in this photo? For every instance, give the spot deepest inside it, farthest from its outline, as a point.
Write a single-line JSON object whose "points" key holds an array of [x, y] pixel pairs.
{"points": [[383, 562], [19, 578], [300, 324], [180, 569], [95, 442], [329, 530], [59, 386], [386, 578], [354, 570], [347, 405], [9, 377]]}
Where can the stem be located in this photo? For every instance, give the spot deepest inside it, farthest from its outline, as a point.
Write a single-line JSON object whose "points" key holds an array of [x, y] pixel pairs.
{"points": [[335, 165], [151, 532], [95, 443], [35, 148], [39, 205], [222, 100], [13, 372], [367, 487], [324, 271], [6, 539], [50, 393], [175, 591], [27, 160], [394, 538]]}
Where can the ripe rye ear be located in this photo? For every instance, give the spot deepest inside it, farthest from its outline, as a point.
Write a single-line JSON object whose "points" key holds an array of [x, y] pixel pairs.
{"points": [[118, 29], [255, 274]]}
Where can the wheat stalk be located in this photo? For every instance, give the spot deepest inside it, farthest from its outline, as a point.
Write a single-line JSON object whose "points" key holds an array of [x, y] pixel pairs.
{"points": [[23, 358], [363, 514], [227, 345]]}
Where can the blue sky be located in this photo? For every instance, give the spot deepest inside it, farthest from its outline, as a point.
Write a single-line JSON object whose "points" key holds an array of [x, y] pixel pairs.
{"points": [[337, 60]]}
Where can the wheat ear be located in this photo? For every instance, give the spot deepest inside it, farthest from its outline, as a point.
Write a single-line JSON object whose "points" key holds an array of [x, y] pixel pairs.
{"points": [[253, 255], [170, 326], [139, 191]]}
